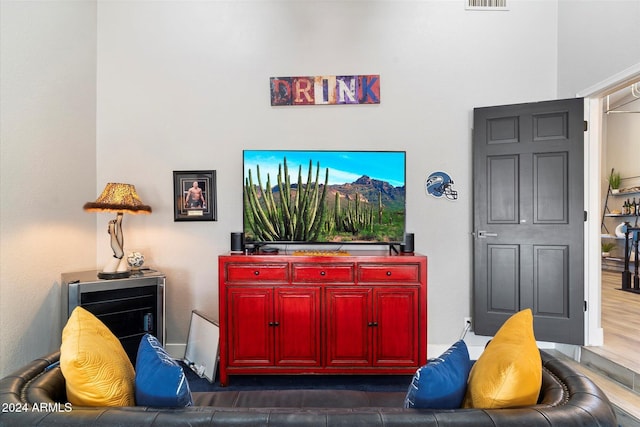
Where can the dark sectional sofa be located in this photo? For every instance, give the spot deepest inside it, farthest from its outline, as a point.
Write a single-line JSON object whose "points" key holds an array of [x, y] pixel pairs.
{"points": [[35, 395]]}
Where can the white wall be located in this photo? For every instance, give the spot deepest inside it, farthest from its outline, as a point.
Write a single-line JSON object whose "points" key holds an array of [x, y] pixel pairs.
{"points": [[622, 144], [47, 134], [596, 39], [620, 148], [152, 87], [185, 86]]}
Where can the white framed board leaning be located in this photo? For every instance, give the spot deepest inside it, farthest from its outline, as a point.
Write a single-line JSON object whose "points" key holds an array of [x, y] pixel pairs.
{"points": [[201, 354]]}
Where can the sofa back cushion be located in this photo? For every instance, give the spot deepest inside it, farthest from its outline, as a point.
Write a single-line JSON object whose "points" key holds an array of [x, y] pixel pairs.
{"points": [[442, 382], [96, 369], [160, 380], [509, 371]]}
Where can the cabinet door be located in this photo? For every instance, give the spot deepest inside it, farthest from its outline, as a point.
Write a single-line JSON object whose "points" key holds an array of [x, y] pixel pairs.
{"points": [[396, 333], [349, 327], [250, 326], [297, 326]]}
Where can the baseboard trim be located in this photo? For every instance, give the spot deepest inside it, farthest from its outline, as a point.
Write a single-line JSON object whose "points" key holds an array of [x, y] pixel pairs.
{"points": [[176, 351], [435, 350]]}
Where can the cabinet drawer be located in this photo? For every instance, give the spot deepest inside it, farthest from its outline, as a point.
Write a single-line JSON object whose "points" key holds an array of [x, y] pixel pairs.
{"points": [[389, 273], [251, 273], [324, 272]]}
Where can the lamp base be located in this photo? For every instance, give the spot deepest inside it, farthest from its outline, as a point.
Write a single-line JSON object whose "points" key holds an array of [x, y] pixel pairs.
{"points": [[115, 275]]}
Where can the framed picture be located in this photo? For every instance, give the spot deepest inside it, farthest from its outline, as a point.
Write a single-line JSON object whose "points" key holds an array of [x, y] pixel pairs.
{"points": [[194, 196]]}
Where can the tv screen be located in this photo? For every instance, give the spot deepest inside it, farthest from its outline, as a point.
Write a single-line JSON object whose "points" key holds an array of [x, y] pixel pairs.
{"points": [[301, 196]]}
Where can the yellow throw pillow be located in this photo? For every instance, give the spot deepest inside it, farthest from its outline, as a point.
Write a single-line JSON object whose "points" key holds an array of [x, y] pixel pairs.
{"points": [[96, 369], [509, 371]]}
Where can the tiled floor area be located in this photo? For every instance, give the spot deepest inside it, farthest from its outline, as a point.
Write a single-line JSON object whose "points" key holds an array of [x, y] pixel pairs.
{"points": [[615, 366]]}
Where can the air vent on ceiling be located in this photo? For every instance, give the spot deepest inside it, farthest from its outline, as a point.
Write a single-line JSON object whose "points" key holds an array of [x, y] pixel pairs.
{"points": [[486, 5]]}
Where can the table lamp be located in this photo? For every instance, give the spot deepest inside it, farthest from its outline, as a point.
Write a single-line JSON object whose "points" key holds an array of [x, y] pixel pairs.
{"points": [[118, 198]]}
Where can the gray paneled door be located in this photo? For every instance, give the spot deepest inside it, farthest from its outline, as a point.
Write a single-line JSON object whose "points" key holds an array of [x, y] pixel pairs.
{"points": [[529, 218]]}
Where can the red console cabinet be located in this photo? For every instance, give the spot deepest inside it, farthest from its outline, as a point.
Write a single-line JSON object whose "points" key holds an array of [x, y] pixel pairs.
{"points": [[287, 314]]}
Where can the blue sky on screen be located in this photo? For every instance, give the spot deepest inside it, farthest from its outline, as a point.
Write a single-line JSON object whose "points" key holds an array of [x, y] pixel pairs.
{"points": [[344, 166]]}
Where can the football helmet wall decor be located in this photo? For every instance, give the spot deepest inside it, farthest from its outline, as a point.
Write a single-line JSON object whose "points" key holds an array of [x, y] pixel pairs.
{"points": [[440, 184]]}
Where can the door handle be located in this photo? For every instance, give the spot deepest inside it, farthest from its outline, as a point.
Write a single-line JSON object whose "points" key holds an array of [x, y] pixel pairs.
{"points": [[482, 234]]}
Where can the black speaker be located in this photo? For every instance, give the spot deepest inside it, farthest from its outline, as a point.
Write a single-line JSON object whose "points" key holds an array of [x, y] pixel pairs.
{"points": [[408, 243], [237, 242]]}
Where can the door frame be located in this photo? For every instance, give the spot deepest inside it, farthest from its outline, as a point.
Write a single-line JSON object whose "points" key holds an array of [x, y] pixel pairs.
{"points": [[593, 113]]}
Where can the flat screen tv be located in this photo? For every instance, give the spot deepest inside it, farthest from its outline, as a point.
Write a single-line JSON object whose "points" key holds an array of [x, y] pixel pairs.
{"points": [[336, 197]]}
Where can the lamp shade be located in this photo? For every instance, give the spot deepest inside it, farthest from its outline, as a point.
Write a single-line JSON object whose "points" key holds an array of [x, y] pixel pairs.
{"points": [[118, 197]]}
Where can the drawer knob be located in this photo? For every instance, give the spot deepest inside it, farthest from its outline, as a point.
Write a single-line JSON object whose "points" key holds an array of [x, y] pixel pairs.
{"points": [[323, 273], [388, 273], [257, 272]]}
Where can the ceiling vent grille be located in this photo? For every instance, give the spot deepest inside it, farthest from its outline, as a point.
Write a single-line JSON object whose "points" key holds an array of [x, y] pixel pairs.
{"points": [[486, 5]]}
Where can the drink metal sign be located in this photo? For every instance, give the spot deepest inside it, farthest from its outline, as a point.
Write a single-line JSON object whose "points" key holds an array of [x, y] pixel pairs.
{"points": [[325, 90]]}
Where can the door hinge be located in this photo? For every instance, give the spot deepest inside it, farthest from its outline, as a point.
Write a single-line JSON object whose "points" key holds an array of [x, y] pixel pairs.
{"points": [[586, 125], [585, 216], [585, 305]]}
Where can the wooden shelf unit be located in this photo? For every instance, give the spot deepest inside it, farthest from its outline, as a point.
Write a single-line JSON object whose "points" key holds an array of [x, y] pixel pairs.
{"points": [[292, 314], [606, 211]]}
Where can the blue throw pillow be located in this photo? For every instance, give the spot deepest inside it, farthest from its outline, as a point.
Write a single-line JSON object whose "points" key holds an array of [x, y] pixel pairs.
{"points": [[442, 382], [160, 380]]}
